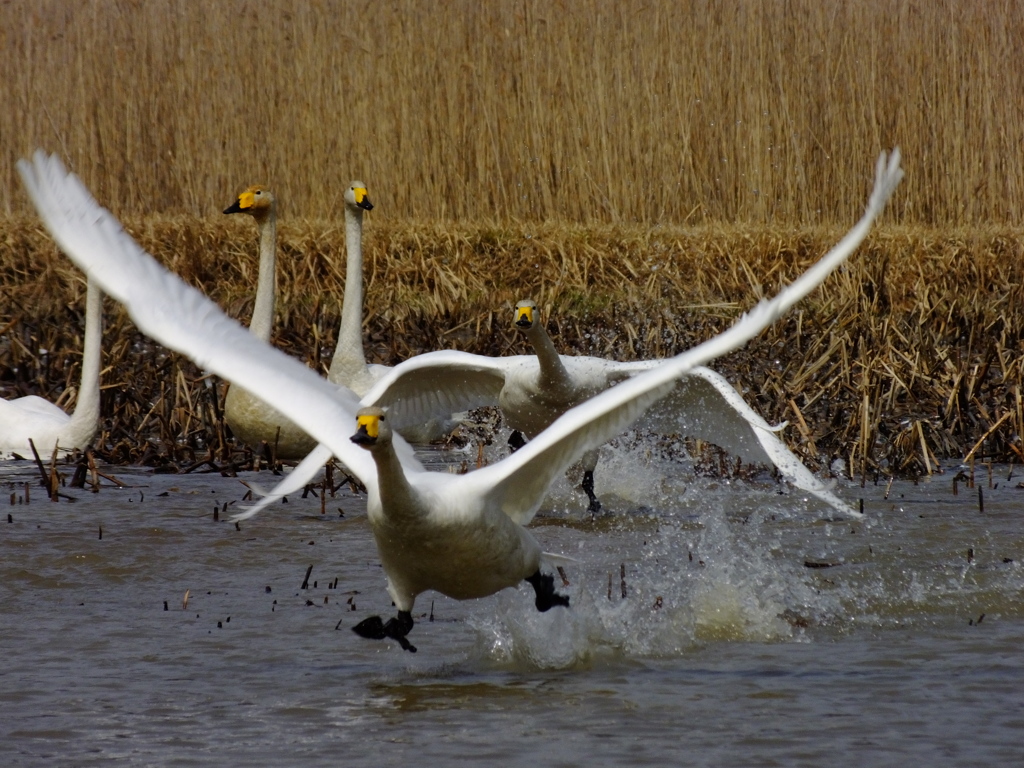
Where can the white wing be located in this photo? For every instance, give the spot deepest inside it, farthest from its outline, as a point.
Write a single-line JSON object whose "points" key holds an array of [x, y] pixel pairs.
{"points": [[518, 483], [706, 406], [293, 482], [438, 384], [181, 318]]}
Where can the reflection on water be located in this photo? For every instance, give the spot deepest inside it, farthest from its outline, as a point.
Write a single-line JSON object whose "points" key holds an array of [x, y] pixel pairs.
{"points": [[712, 622]]}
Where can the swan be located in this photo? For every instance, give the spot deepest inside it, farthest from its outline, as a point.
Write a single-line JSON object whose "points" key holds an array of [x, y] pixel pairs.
{"points": [[462, 535], [46, 424], [348, 365], [534, 390], [252, 420]]}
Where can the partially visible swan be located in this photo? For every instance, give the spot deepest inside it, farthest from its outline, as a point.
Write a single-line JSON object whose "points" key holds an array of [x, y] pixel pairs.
{"points": [[46, 424], [461, 535], [252, 420], [348, 366]]}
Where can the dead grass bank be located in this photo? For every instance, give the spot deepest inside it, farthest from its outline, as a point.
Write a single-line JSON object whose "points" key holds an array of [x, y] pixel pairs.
{"points": [[910, 354]]}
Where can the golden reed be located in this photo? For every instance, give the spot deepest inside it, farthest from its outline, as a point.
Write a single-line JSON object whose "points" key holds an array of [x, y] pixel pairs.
{"points": [[657, 112]]}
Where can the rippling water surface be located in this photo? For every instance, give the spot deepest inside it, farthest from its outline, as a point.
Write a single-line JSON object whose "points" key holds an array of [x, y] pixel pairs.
{"points": [[752, 631]]}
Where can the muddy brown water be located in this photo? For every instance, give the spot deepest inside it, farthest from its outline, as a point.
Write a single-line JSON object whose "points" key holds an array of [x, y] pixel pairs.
{"points": [[752, 631]]}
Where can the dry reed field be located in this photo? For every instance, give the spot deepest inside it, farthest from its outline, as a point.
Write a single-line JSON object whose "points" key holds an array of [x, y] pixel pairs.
{"points": [[589, 111], [643, 171], [910, 354]]}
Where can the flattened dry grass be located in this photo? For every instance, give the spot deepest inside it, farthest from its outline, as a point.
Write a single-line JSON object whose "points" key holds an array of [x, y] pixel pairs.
{"points": [[910, 354]]}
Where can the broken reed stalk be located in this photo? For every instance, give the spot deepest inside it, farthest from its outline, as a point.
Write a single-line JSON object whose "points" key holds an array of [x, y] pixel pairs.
{"points": [[983, 438], [53, 481], [45, 478]]}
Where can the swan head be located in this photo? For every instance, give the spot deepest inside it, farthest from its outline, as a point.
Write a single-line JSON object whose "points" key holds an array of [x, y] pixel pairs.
{"points": [[372, 428], [257, 201], [357, 198], [525, 316]]}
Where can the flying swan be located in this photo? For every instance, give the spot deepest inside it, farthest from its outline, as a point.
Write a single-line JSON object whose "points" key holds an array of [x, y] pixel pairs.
{"points": [[46, 424], [461, 535]]}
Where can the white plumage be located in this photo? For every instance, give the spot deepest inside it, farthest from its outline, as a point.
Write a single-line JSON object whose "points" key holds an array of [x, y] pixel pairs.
{"points": [[45, 423]]}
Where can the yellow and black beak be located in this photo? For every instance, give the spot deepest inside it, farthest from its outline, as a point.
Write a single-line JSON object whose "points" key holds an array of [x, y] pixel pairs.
{"points": [[362, 198], [366, 432], [524, 317], [243, 204]]}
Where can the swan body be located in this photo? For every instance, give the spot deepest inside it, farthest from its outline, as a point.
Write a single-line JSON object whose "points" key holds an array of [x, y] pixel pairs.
{"points": [[46, 424], [251, 419], [454, 533], [429, 538]]}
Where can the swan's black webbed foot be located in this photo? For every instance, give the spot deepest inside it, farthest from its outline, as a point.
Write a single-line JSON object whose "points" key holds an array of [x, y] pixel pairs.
{"points": [[397, 628], [544, 586], [516, 440], [588, 487]]}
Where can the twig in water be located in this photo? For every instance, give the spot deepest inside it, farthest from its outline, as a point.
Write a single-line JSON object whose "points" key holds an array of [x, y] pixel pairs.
{"points": [[565, 579]]}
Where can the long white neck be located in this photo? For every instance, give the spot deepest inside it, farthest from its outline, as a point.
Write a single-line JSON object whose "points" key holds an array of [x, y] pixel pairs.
{"points": [[398, 499], [348, 366], [263, 310], [79, 431], [553, 375]]}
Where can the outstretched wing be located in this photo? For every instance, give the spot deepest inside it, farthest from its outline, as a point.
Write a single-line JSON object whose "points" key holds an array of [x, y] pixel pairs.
{"points": [[705, 405], [437, 384], [183, 319], [518, 483]]}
